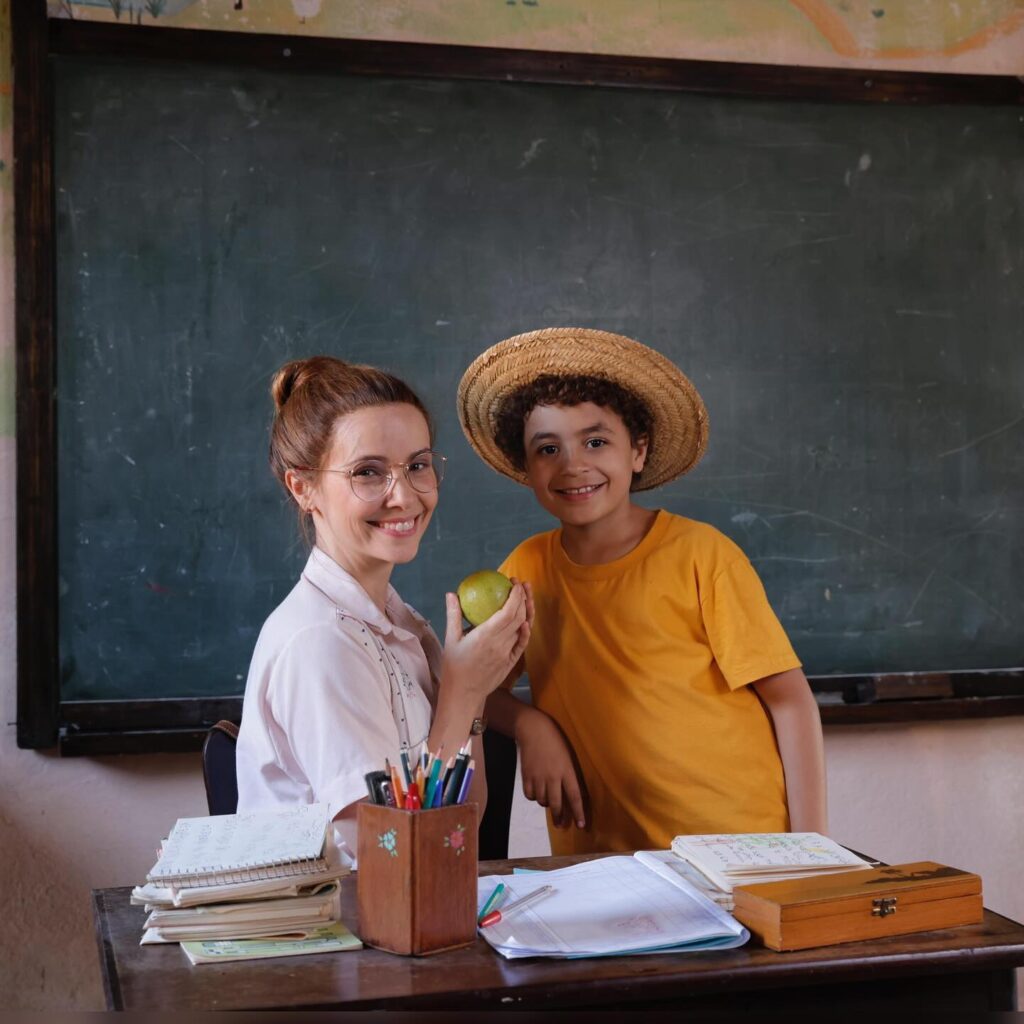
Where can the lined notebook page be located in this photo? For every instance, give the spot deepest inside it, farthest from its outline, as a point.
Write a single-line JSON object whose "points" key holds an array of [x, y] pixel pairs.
{"points": [[230, 843], [756, 852]]}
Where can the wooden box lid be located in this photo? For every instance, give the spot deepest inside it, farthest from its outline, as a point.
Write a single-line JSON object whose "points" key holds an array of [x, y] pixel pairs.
{"points": [[852, 905], [848, 890]]}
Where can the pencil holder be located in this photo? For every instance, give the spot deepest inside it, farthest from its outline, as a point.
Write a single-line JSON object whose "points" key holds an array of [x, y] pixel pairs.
{"points": [[416, 878]]}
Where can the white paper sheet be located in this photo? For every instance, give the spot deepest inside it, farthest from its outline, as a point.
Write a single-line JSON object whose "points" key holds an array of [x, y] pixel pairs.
{"points": [[603, 907]]}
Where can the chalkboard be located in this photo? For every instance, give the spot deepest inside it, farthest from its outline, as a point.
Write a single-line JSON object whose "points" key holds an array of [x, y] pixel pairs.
{"points": [[844, 284]]}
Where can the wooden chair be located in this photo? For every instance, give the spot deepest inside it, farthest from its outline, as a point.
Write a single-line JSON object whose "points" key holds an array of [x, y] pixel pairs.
{"points": [[219, 768]]}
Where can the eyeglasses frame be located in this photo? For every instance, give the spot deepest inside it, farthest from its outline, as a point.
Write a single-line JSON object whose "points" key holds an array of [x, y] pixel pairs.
{"points": [[391, 477]]}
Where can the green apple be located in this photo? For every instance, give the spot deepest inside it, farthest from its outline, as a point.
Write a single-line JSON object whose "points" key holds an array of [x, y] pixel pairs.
{"points": [[482, 593]]}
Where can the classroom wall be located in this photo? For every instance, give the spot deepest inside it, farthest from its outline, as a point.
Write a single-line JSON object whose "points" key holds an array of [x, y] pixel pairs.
{"points": [[946, 791], [919, 35]]}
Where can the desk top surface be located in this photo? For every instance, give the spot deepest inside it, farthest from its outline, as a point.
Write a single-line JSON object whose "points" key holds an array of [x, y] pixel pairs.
{"points": [[152, 977]]}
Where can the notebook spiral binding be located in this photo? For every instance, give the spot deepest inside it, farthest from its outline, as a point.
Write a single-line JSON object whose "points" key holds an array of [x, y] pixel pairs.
{"points": [[218, 875]]}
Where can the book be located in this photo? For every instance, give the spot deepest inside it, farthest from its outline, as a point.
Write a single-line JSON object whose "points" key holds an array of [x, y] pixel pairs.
{"points": [[605, 907], [242, 920], [332, 938], [153, 897], [745, 858], [228, 849]]}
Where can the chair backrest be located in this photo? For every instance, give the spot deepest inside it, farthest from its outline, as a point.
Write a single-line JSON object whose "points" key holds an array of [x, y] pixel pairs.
{"points": [[500, 754], [219, 768]]}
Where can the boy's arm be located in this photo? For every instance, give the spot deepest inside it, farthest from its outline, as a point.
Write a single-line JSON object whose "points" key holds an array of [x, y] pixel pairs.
{"points": [[545, 760], [797, 722]]}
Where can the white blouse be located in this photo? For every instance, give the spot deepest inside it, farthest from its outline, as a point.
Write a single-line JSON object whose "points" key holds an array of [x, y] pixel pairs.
{"points": [[335, 686]]}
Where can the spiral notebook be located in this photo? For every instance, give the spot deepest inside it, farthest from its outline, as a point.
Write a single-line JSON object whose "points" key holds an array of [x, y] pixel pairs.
{"points": [[230, 848]]}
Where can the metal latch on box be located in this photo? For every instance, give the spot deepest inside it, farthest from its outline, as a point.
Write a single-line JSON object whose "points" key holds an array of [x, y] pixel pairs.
{"points": [[883, 907]]}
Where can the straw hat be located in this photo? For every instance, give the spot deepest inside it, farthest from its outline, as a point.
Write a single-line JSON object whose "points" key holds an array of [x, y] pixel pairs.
{"points": [[680, 420]]}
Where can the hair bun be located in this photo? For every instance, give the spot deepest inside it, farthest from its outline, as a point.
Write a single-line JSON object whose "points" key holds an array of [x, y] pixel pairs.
{"points": [[299, 372], [286, 380]]}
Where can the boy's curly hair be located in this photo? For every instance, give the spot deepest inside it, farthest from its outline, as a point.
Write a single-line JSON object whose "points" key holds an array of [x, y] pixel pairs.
{"points": [[555, 389]]}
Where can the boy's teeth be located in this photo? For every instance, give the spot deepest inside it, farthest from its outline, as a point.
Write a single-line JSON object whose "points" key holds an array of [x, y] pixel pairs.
{"points": [[581, 490]]}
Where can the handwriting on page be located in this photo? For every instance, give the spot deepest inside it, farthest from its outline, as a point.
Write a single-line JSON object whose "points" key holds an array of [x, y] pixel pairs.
{"points": [[797, 849]]}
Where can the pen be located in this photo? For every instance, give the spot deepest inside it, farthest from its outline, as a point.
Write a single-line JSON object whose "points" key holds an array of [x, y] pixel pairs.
{"points": [[412, 799], [373, 787], [435, 771], [491, 901], [406, 770], [438, 798], [497, 915], [445, 778], [453, 784], [467, 778]]}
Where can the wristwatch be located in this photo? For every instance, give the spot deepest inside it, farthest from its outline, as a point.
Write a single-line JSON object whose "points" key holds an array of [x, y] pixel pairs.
{"points": [[478, 726]]}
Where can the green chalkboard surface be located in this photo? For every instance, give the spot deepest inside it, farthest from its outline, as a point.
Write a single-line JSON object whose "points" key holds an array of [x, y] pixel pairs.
{"points": [[845, 285]]}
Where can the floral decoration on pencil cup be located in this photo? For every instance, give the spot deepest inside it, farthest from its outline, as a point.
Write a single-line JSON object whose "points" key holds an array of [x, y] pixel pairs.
{"points": [[387, 841], [456, 839]]}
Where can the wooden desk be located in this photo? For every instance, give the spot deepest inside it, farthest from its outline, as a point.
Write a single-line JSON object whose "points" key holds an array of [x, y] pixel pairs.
{"points": [[959, 969]]}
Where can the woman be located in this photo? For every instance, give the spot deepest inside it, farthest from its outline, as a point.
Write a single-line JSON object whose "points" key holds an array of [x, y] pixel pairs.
{"points": [[345, 674]]}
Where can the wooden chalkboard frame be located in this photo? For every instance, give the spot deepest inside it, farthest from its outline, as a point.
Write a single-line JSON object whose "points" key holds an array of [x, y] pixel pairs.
{"points": [[96, 727]]}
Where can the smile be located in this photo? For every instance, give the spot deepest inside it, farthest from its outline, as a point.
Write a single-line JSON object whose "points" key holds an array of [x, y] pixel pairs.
{"points": [[396, 527], [580, 492]]}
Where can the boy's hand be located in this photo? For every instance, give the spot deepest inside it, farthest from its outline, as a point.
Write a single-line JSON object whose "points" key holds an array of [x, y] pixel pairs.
{"points": [[548, 769]]}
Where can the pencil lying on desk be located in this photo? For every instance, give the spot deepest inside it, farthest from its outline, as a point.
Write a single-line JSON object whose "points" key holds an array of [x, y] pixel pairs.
{"points": [[497, 915]]}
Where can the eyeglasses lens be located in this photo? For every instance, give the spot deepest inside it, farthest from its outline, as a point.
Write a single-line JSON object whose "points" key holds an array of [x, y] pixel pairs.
{"points": [[424, 474]]}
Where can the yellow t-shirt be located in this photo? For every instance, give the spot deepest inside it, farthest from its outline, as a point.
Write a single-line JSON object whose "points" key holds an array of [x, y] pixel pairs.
{"points": [[644, 662]]}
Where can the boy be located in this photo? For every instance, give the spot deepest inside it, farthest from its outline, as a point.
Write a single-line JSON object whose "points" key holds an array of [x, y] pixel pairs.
{"points": [[664, 688]]}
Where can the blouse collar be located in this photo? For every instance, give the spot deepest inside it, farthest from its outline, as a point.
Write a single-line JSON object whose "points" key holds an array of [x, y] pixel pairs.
{"points": [[324, 573]]}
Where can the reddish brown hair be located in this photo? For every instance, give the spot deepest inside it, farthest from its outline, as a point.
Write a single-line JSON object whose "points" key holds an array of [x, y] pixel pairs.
{"points": [[311, 395]]}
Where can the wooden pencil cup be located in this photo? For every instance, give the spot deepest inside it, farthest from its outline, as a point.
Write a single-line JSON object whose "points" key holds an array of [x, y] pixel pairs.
{"points": [[416, 878]]}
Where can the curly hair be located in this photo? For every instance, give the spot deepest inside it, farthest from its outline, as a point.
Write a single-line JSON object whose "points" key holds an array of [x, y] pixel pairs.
{"points": [[553, 389]]}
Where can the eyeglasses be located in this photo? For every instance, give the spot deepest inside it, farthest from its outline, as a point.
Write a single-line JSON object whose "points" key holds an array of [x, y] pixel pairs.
{"points": [[371, 480]]}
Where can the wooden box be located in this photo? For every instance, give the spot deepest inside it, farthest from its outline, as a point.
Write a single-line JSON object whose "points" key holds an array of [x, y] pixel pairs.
{"points": [[855, 905], [416, 878]]}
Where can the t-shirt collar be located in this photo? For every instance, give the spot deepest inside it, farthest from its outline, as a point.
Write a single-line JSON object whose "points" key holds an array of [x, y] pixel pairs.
{"points": [[348, 594]]}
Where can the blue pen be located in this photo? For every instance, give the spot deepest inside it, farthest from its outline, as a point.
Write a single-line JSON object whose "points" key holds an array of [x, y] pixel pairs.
{"points": [[492, 901], [466, 779], [438, 800]]}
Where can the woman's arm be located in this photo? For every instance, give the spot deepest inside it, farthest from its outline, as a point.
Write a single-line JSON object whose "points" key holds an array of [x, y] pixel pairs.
{"points": [[797, 723], [472, 665]]}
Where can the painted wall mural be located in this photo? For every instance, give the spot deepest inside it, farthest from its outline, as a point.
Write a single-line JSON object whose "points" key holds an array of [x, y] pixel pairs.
{"points": [[984, 36]]}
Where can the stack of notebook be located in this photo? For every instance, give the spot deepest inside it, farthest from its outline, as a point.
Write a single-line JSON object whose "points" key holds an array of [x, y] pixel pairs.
{"points": [[271, 876]]}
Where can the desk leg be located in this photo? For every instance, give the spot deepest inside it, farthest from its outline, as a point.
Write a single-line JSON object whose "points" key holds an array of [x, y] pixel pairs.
{"points": [[1003, 990], [105, 947]]}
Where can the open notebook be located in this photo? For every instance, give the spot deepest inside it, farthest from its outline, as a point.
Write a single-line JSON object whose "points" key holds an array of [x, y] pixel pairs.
{"points": [[232, 848], [728, 860]]}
